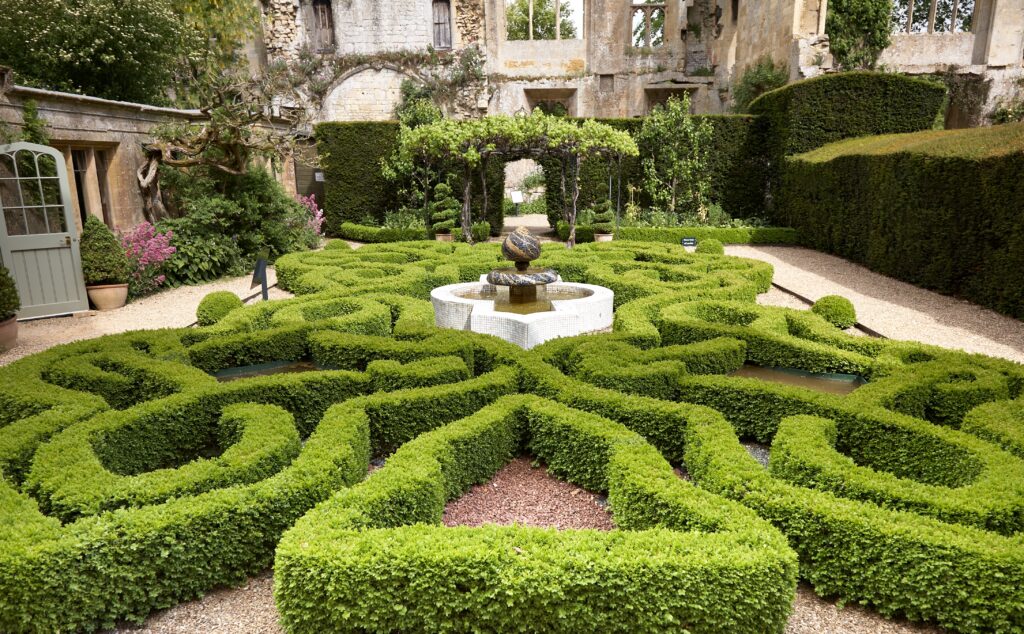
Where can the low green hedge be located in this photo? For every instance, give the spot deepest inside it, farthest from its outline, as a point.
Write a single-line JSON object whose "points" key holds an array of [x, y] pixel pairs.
{"points": [[346, 566], [215, 306], [836, 310], [725, 235], [584, 233], [363, 233]]}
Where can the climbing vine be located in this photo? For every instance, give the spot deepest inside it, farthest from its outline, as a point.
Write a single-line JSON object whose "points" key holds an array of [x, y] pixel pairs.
{"points": [[859, 30]]}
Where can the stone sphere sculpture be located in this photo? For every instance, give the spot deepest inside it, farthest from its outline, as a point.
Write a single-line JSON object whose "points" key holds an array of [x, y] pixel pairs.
{"points": [[521, 247]]}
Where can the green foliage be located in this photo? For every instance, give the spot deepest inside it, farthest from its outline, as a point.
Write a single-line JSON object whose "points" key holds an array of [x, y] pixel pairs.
{"points": [[215, 306], [9, 301], [116, 49], [33, 127], [363, 233], [584, 233], [1011, 112], [517, 19], [764, 76], [354, 186], [739, 235], [836, 310], [603, 217], [858, 31], [103, 258], [675, 148], [939, 209], [736, 162], [710, 246], [808, 114], [444, 209], [227, 221], [416, 107]]}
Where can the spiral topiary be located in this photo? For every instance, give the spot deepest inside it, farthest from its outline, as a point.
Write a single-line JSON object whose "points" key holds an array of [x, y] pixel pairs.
{"points": [[103, 257], [836, 310], [604, 217], [9, 302], [444, 210], [215, 306], [710, 247]]}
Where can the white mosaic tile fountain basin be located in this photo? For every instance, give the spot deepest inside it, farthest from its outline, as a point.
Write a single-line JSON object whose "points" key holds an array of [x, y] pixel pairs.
{"points": [[567, 319]]}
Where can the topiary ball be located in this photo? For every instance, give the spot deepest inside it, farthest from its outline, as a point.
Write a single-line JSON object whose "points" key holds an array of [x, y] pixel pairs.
{"points": [[710, 247], [836, 310], [9, 302], [103, 257], [215, 306], [337, 245]]}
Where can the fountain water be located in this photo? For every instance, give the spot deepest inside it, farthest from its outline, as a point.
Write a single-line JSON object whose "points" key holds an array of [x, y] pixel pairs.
{"points": [[524, 305]]}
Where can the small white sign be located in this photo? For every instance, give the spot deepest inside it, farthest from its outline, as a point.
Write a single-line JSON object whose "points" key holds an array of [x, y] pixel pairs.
{"points": [[517, 196], [318, 177]]}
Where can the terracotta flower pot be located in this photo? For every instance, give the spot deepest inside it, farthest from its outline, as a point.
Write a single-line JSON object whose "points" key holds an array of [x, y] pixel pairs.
{"points": [[108, 296], [8, 334]]}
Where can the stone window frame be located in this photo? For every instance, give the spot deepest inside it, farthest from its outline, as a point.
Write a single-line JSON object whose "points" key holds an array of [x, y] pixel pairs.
{"points": [[582, 35], [932, 10], [648, 9], [322, 29], [442, 24]]}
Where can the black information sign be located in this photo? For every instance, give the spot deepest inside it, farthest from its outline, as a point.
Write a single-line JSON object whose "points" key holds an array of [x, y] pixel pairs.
{"points": [[259, 273], [689, 242]]}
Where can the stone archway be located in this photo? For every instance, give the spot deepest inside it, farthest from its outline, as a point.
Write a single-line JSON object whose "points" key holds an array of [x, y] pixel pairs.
{"points": [[366, 94]]}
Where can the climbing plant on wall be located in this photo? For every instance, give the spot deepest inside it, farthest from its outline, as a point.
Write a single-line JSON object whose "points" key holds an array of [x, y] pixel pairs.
{"points": [[859, 30]]}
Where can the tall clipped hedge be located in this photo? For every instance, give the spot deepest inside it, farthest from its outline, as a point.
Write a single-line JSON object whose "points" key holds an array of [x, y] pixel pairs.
{"points": [[809, 114], [738, 169], [939, 209], [354, 187], [353, 184]]}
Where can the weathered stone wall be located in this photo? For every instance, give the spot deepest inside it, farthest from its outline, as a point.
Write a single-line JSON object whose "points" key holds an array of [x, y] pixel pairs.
{"points": [[282, 29], [368, 95], [369, 26]]}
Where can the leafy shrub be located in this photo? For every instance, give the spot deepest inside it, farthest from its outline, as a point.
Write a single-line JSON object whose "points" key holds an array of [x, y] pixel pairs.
{"points": [[215, 306], [9, 302], [314, 229], [675, 154], [836, 310], [710, 246], [858, 31], [353, 183], [103, 258], [604, 217], [764, 76], [480, 231], [584, 233], [147, 250], [227, 221], [899, 204]]}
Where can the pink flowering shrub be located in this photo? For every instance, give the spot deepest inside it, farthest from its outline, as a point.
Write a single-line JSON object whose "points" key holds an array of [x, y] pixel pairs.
{"points": [[315, 223], [147, 250]]}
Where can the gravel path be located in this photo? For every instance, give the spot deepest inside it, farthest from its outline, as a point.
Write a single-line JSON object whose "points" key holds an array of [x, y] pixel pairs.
{"points": [[895, 309], [173, 308], [522, 494]]}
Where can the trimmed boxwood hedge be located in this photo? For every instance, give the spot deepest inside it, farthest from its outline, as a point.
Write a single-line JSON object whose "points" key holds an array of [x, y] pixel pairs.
{"points": [[941, 209], [132, 476], [725, 235]]}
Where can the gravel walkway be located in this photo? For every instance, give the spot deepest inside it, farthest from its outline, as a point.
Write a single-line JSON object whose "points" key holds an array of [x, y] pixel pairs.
{"points": [[522, 494], [895, 309], [173, 308]]}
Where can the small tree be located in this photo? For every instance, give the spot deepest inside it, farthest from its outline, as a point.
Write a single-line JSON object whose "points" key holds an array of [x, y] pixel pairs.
{"points": [[103, 258], [444, 210], [675, 157]]}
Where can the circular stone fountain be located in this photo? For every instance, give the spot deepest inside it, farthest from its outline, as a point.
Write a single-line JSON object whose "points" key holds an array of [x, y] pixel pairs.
{"points": [[523, 305]]}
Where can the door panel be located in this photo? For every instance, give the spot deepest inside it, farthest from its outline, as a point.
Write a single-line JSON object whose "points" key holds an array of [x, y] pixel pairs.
{"points": [[38, 239]]}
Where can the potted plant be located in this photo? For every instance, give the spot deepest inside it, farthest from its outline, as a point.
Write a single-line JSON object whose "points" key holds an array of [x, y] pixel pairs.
{"points": [[9, 305], [604, 221], [444, 212], [104, 266]]}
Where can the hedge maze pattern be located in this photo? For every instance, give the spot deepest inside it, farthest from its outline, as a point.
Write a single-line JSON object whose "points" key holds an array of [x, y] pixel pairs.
{"points": [[132, 479]]}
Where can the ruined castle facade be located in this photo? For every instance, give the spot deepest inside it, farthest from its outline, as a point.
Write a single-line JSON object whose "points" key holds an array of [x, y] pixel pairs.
{"points": [[619, 58]]}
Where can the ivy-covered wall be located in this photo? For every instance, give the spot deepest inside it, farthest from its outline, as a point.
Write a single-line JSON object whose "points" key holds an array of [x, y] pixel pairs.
{"points": [[738, 169]]}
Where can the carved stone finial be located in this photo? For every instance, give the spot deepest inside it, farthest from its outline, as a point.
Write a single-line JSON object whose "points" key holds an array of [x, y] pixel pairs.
{"points": [[521, 247]]}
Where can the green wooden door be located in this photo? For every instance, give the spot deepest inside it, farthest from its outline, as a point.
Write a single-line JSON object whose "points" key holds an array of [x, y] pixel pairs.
{"points": [[38, 239]]}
